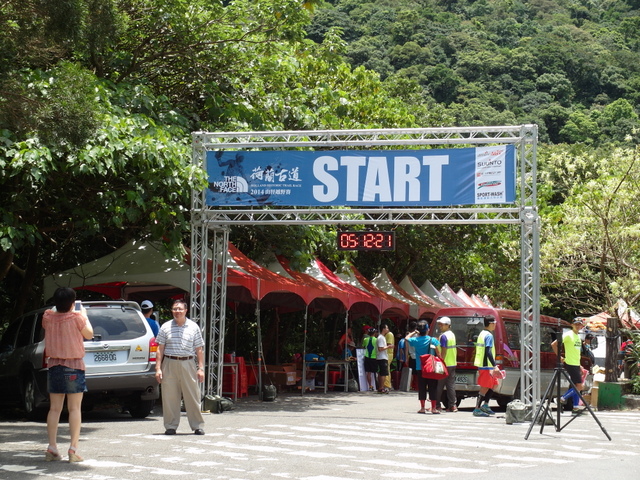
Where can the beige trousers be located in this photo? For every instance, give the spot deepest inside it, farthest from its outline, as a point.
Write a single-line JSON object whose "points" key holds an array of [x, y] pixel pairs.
{"points": [[180, 381]]}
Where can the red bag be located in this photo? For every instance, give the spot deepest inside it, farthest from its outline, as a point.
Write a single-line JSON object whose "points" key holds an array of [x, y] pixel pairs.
{"points": [[433, 367]]}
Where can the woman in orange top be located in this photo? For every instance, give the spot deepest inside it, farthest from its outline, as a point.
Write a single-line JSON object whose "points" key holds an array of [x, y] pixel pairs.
{"points": [[65, 331]]}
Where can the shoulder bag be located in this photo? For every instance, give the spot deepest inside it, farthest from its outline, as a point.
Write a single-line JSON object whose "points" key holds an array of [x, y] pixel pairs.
{"points": [[433, 367]]}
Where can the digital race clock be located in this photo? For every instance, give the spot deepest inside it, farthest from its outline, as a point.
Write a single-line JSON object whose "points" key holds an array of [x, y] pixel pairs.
{"points": [[367, 241]]}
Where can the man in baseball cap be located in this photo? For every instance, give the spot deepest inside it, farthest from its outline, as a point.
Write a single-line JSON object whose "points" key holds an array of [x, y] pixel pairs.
{"points": [[485, 360], [449, 355], [572, 344], [147, 310]]}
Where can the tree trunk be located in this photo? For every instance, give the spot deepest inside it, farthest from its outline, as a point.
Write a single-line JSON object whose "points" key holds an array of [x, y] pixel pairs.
{"points": [[24, 299], [611, 358], [6, 259]]}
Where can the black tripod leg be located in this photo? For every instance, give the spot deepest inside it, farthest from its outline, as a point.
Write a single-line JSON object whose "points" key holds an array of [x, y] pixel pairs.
{"points": [[547, 398], [586, 406], [546, 404]]}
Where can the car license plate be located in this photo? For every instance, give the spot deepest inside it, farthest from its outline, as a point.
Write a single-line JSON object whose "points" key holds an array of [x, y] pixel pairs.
{"points": [[463, 378], [105, 357]]}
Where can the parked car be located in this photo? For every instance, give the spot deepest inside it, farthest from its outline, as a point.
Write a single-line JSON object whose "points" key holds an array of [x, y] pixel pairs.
{"points": [[120, 360]]}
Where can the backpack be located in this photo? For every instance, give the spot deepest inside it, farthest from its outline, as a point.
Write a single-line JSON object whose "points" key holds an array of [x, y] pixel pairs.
{"points": [[517, 412], [218, 404]]}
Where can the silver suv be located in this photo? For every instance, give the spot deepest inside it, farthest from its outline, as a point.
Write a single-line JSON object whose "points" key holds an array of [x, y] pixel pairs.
{"points": [[120, 360]]}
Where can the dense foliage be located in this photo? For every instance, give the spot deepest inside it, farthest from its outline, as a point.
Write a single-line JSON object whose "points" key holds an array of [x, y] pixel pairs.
{"points": [[566, 65], [98, 99]]}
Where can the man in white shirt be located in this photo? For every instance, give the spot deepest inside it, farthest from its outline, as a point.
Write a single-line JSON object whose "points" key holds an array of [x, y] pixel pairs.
{"points": [[179, 368], [383, 358]]}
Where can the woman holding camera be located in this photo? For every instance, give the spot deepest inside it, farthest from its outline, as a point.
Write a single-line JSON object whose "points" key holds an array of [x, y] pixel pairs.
{"points": [[66, 328]]}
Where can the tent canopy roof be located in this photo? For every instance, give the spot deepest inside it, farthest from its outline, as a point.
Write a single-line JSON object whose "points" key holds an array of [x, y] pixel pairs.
{"points": [[138, 262], [140, 268]]}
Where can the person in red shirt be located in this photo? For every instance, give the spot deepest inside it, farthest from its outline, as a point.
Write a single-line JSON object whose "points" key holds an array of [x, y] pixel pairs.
{"points": [[623, 354], [65, 331]]}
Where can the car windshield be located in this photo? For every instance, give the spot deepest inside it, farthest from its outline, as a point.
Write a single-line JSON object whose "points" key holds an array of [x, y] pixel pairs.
{"points": [[466, 329], [116, 323]]}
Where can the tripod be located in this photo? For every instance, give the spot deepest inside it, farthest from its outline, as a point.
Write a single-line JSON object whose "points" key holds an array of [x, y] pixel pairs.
{"points": [[544, 409]]}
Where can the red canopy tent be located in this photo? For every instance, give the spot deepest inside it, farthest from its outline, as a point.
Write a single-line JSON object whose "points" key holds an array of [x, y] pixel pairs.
{"points": [[391, 307], [362, 301], [356, 301], [329, 299], [271, 289]]}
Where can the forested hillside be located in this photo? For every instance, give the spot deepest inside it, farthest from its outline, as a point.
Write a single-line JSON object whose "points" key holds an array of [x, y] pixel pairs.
{"points": [[98, 99], [570, 66]]}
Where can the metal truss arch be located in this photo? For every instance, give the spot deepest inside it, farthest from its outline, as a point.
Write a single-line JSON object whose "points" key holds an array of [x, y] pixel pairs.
{"points": [[209, 225]]}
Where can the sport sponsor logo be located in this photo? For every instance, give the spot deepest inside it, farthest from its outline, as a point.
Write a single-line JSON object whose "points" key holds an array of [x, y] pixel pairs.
{"points": [[493, 183]]}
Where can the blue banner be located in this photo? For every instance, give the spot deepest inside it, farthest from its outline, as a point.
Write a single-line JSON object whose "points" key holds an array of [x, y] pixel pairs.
{"points": [[389, 178]]}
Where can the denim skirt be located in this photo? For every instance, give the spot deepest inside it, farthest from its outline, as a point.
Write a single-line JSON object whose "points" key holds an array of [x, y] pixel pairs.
{"points": [[66, 380]]}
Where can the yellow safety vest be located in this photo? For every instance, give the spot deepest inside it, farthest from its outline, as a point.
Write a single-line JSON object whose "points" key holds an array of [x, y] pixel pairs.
{"points": [[451, 355], [480, 358]]}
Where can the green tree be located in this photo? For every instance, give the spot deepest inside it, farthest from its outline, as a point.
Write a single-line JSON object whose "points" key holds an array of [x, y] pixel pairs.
{"points": [[556, 85], [580, 128], [130, 177], [589, 258], [618, 119]]}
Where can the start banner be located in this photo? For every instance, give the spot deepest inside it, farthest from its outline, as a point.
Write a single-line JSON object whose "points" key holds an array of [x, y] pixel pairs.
{"points": [[385, 178]]}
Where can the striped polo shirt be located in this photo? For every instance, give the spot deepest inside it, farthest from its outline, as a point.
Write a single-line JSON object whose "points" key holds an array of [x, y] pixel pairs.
{"points": [[180, 341]]}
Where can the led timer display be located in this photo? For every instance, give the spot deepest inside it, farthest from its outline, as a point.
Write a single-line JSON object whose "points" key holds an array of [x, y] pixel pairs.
{"points": [[367, 241]]}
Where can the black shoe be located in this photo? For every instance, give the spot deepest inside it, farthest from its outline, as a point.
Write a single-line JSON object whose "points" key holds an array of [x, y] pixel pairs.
{"points": [[198, 431], [170, 431]]}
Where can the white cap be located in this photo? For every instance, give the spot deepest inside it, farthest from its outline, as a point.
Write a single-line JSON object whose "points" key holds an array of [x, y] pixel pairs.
{"points": [[445, 320], [146, 305]]}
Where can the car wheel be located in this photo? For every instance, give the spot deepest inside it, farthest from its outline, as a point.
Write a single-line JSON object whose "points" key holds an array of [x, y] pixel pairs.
{"points": [[29, 400], [142, 408]]}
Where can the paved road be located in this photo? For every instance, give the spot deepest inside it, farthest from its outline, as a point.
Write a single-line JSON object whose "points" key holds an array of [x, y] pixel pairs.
{"points": [[332, 436]]}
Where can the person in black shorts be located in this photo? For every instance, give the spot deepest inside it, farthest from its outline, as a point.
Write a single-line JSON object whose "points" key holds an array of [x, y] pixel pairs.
{"points": [[572, 347], [369, 343]]}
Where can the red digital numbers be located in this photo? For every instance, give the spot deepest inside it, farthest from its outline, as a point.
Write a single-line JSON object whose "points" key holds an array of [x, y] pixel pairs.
{"points": [[366, 241]]}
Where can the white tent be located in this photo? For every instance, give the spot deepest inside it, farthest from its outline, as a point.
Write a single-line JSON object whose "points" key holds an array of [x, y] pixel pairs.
{"points": [[431, 291], [138, 265], [417, 307], [411, 288], [451, 296]]}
